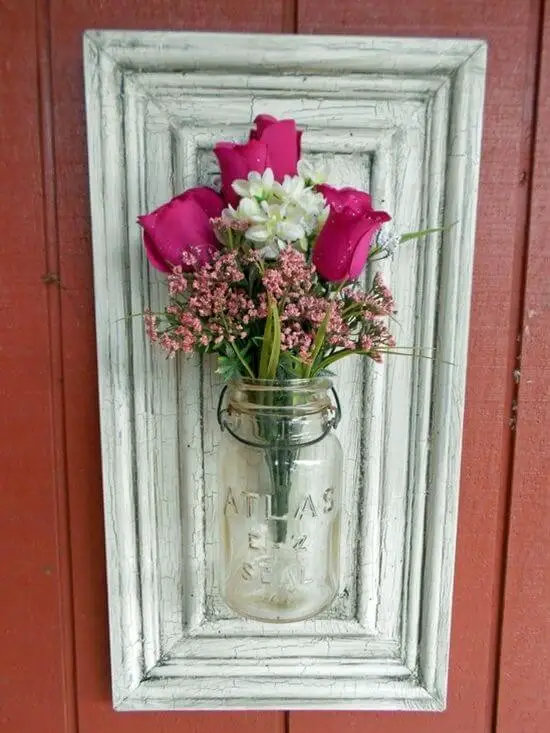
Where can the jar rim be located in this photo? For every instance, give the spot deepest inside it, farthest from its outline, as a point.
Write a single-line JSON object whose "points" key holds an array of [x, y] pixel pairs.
{"points": [[299, 396], [277, 384]]}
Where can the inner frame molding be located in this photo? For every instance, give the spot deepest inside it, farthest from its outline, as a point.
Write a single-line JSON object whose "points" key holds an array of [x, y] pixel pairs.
{"points": [[398, 117]]}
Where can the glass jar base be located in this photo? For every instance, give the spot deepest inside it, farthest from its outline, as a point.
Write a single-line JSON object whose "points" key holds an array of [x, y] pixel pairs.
{"points": [[299, 607]]}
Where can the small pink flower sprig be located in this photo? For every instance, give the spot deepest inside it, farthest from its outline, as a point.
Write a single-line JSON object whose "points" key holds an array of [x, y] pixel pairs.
{"points": [[270, 319], [265, 273]]}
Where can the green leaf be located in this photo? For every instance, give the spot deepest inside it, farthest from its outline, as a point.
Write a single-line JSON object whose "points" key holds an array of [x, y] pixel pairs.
{"points": [[240, 356], [266, 345], [339, 355], [230, 243], [229, 367], [291, 366], [319, 341], [422, 233], [288, 367], [374, 251], [358, 352], [271, 346], [253, 279], [276, 343]]}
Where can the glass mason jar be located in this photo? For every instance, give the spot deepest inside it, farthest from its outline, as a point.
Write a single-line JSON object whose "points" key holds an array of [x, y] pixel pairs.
{"points": [[280, 468]]}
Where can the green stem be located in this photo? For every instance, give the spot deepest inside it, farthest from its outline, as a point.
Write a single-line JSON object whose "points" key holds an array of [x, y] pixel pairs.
{"points": [[280, 460], [280, 457], [242, 360], [238, 354]]}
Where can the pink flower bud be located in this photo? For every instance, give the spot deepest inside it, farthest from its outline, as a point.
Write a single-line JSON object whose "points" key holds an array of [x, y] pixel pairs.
{"points": [[272, 144], [342, 247], [182, 226]]}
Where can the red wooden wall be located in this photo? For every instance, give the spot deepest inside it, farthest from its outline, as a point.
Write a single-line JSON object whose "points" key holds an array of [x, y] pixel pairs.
{"points": [[54, 671]]}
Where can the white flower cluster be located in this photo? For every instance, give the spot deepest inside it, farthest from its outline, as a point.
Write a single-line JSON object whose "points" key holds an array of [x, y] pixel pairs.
{"points": [[388, 241], [278, 214]]}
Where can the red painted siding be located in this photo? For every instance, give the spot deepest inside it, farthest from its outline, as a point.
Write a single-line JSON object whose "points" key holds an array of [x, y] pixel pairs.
{"points": [[36, 677], [524, 698]]}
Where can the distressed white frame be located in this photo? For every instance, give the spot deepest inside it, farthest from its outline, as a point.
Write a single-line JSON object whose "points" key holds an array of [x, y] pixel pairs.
{"points": [[401, 117]]}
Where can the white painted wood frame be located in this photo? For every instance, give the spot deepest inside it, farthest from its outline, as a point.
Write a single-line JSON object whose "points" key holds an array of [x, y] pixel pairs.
{"points": [[402, 119]]}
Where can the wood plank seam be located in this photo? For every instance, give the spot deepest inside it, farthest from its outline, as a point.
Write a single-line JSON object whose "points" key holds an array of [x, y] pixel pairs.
{"points": [[52, 281], [533, 89], [290, 16]]}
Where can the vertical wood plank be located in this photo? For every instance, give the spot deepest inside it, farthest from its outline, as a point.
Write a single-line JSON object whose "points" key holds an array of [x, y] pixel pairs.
{"points": [[69, 18], [523, 703], [511, 29], [36, 680]]}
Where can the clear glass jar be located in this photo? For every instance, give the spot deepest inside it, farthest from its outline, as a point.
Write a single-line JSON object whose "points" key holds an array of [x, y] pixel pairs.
{"points": [[280, 468]]}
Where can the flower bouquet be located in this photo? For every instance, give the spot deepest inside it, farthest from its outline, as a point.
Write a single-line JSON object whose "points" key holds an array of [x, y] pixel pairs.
{"points": [[265, 275]]}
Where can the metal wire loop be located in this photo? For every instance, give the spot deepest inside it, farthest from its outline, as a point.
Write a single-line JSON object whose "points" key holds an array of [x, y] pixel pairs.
{"points": [[332, 423]]}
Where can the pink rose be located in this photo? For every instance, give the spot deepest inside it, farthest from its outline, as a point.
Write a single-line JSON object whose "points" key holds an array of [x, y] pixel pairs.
{"points": [[272, 144], [343, 245], [283, 142], [236, 161], [182, 225]]}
